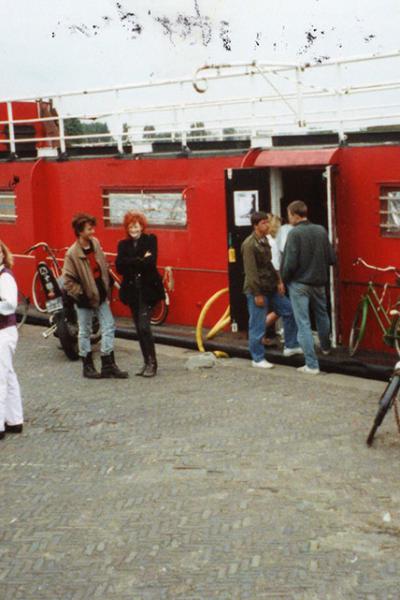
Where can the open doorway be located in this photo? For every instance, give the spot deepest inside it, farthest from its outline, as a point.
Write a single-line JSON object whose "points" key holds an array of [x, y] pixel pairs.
{"points": [[314, 187], [310, 186]]}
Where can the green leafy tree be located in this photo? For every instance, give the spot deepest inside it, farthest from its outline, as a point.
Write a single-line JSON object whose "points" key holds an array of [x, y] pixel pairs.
{"points": [[149, 133], [229, 133], [197, 130], [125, 130], [74, 126]]}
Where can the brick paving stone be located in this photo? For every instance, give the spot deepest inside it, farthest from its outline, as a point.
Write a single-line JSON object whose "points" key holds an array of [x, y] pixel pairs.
{"points": [[195, 485]]}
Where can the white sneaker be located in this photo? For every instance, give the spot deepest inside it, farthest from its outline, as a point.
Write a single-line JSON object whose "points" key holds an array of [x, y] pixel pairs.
{"points": [[326, 352], [263, 364], [308, 370], [292, 351]]}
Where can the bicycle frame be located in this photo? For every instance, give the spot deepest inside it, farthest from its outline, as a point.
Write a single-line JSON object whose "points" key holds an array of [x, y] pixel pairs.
{"points": [[387, 318], [387, 400], [376, 303]]}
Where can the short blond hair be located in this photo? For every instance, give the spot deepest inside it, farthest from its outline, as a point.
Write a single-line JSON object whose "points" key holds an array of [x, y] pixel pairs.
{"points": [[8, 260], [274, 223]]}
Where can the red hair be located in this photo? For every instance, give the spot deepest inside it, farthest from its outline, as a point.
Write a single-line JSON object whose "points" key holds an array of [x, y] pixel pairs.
{"points": [[134, 217]]}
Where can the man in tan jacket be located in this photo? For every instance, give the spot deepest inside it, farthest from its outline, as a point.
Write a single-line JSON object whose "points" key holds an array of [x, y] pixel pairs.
{"points": [[87, 282]]}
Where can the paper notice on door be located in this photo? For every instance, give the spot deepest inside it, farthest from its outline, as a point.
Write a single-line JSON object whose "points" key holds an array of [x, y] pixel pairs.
{"points": [[245, 203]]}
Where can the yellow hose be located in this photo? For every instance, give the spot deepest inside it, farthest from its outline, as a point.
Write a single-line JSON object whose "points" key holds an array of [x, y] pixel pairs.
{"points": [[220, 325], [223, 321]]}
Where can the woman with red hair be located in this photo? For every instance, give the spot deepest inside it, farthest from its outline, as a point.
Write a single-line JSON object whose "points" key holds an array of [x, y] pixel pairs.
{"points": [[141, 286]]}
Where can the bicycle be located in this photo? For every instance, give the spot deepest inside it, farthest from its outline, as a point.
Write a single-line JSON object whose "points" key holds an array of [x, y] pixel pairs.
{"points": [[387, 400], [49, 297], [39, 296], [388, 320]]}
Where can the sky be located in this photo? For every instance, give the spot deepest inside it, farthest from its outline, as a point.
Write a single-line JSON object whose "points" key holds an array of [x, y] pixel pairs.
{"points": [[52, 46], [57, 45]]}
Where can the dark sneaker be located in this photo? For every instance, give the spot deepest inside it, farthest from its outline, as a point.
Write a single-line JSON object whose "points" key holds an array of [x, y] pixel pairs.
{"points": [[14, 428]]}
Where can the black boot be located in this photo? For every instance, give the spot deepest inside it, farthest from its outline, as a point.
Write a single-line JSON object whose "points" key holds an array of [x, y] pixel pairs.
{"points": [[150, 369], [89, 370], [110, 369], [14, 428], [141, 371]]}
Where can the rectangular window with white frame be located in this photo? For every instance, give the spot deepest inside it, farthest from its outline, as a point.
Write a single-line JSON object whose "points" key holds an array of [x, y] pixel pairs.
{"points": [[389, 199], [161, 208], [8, 213]]}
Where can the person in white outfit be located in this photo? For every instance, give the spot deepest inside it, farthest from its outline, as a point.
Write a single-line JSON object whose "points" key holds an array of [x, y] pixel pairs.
{"points": [[274, 222], [11, 413]]}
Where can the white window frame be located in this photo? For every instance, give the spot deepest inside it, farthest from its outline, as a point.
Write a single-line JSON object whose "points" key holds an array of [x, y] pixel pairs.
{"points": [[389, 210], [162, 208], [8, 207]]}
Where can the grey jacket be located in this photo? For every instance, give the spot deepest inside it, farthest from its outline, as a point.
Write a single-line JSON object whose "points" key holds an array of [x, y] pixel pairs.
{"points": [[307, 255]]}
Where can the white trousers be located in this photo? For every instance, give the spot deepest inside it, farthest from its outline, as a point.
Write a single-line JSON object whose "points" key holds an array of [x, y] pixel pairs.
{"points": [[10, 394]]}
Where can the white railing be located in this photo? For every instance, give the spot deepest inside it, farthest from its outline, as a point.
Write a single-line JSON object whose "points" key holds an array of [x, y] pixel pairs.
{"points": [[238, 100]]}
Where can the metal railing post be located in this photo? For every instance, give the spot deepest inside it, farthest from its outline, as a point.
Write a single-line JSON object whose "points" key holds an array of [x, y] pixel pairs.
{"points": [[120, 141], [61, 128], [339, 107], [299, 95], [11, 131], [183, 127]]}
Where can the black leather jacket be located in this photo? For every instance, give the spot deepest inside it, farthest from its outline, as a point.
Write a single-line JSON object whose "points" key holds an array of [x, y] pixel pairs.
{"points": [[140, 278]]}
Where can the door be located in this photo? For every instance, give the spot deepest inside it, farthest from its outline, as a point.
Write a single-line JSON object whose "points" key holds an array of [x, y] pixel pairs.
{"points": [[330, 173], [247, 191], [316, 187]]}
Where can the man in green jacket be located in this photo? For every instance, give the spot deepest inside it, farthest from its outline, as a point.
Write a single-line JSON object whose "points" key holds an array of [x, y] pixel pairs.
{"points": [[305, 269], [265, 291]]}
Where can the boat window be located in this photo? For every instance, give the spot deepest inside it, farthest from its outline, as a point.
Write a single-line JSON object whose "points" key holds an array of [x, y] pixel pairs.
{"points": [[8, 212], [161, 208], [390, 211]]}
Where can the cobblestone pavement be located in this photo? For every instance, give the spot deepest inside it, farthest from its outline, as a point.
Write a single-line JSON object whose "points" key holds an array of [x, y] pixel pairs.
{"points": [[227, 483]]}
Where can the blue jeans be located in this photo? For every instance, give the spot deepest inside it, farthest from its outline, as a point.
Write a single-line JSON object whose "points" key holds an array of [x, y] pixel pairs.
{"points": [[257, 315], [107, 328], [303, 298]]}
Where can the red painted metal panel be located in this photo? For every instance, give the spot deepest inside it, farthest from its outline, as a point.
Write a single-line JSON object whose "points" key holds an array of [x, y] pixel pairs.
{"points": [[361, 173], [49, 193]]}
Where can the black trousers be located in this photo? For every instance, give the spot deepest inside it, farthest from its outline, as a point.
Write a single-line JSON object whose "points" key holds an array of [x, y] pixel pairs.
{"points": [[141, 314]]}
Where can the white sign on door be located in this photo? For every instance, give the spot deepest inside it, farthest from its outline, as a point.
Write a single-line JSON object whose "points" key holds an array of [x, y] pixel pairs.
{"points": [[245, 203]]}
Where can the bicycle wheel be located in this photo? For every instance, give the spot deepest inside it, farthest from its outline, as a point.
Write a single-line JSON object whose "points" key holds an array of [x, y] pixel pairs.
{"points": [[22, 309], [385, 403], [38, 295], [159, 312], [358, 327], [396, 335]]}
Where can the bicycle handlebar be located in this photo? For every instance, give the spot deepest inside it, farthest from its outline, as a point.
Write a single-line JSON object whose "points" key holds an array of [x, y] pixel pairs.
{"points": [[361, 261], [36, 246], [45, 245]]}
